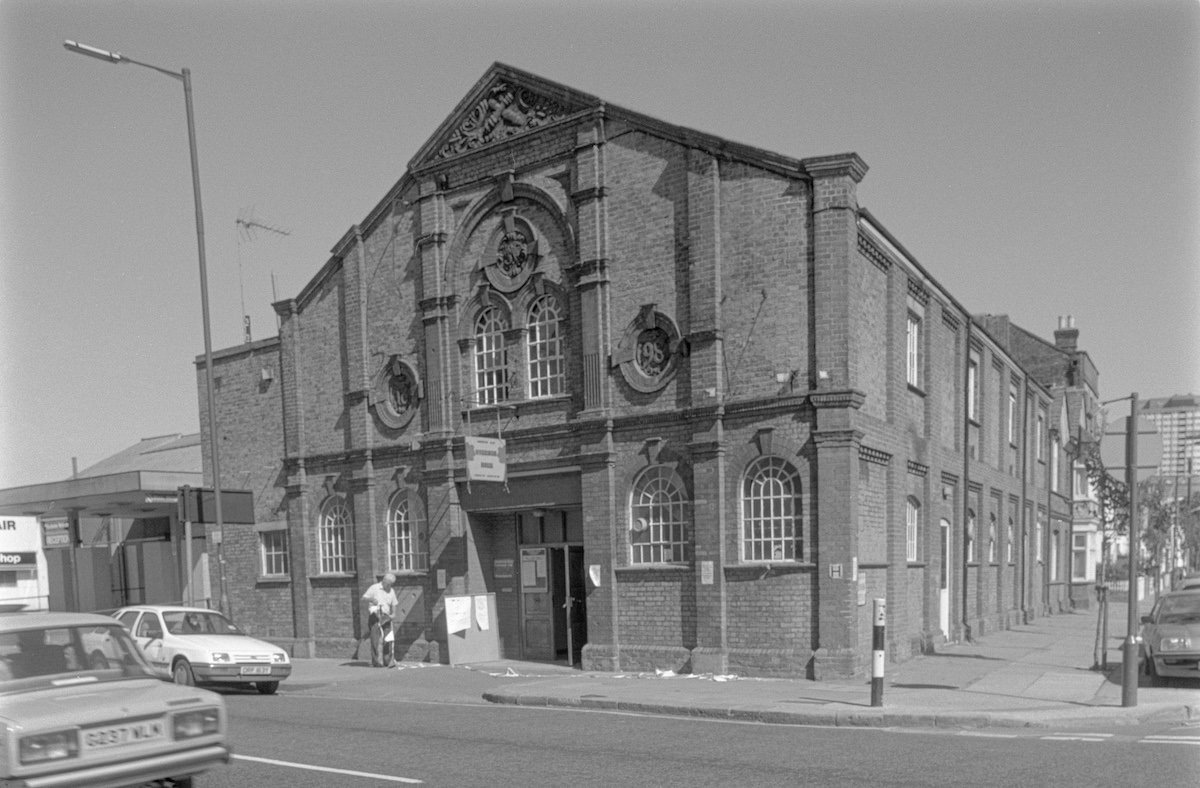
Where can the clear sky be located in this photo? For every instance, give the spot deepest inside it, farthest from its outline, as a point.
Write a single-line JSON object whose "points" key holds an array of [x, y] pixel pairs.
{"points": [[1038, 158]]}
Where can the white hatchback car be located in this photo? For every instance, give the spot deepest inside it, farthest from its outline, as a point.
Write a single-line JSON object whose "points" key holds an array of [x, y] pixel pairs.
{"points": [[195, 645], [79, 705]]}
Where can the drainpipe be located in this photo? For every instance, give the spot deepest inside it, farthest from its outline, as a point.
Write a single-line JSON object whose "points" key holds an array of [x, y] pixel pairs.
{"points": [[1025, 501], [966, 494]]}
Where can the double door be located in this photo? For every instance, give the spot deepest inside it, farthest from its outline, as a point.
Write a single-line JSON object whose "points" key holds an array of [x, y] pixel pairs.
{"points": [[553, 603]]}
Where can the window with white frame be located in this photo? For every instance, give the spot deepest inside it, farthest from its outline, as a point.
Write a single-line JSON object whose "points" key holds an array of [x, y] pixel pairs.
{"points": [[1039, 436], [491, 358], [1053, 555], [1037, 535], [335, 537], [547, 366], [771, 511], [1055, 450], [273, 553], [973, 387], [914, 349], [970, 538], [1079, 486], [658, 518], [912, 530], [1079, 556], [991, 545], [1012, 417], [1009, 547], [405, 537]]}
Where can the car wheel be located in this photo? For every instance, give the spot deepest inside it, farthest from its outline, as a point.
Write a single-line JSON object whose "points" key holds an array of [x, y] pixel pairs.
{"points": [[181, 673], [1155, 679], [267, 687], [97, 661]]}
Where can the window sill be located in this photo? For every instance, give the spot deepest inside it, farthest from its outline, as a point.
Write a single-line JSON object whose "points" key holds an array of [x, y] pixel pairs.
{"points": [[915, 389], [636, 568], [769, 567], [917, 564], [277, 580]]}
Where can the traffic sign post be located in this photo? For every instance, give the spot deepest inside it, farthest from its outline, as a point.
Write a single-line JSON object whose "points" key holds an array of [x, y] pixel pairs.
{"points": [[1135, 445]]}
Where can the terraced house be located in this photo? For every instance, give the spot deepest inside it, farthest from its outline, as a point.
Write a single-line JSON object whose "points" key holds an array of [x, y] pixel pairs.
{"points": [[643, 398]]}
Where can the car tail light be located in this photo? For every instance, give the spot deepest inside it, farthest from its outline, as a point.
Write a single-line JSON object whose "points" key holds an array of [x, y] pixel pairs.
{"points": [[43, 747], [198, 722]]}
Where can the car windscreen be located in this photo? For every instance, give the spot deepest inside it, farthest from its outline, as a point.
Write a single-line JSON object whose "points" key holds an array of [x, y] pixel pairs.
{"points": [[76, 654], [193, 622], [1180, 610]]}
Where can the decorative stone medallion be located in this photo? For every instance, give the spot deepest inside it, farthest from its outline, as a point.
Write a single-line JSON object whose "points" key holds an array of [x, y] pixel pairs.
{"points": [[396, 392], [512, 254], [650, 350]]}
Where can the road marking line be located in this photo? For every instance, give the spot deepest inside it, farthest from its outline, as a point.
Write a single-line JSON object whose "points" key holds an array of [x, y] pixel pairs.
{"points": [[1165, 740], [349, 772], [1170, 736], [1072, 738], [989, 735]]}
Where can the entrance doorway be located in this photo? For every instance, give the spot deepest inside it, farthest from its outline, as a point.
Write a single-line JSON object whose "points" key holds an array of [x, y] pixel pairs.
{"points": [[553, 588]]}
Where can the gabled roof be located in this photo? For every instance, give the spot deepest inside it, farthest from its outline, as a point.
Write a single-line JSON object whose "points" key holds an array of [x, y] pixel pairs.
{"points": [[175, 452]]}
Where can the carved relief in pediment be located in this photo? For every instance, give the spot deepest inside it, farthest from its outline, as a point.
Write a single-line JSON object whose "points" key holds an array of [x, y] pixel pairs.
{"points": [[505, 110]]}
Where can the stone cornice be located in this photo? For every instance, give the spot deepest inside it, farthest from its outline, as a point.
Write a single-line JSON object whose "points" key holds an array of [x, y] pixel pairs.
{"points": [[845, 398]]}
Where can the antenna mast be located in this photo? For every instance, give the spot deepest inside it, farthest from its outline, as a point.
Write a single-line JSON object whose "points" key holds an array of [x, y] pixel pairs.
{"points": [[247, 225]]}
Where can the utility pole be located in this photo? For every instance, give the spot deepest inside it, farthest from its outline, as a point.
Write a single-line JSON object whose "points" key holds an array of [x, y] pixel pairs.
{"points": [[1129, 662]]}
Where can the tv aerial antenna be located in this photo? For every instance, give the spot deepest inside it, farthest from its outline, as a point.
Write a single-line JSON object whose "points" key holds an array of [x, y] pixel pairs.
{"points": [[247, 229]]}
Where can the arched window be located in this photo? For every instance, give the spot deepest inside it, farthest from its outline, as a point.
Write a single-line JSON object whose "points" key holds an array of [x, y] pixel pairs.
{"points": [[912, 519], [771, 512], [406, 545], [991, 546], [335, 536], [491, 358], [970, 537], [1011, 540], [546, 363], [657, 518]]}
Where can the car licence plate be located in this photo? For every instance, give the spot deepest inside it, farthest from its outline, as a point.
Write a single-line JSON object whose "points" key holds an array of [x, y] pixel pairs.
{"points": [[256, 670], [120, 735]]}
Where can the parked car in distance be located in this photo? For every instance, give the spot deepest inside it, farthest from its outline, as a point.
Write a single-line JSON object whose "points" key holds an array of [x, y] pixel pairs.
{"points": [[1171, 637], [1190, 580], [195, 645], [79, 705]]}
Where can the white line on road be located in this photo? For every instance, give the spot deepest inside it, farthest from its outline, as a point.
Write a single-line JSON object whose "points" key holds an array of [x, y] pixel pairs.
{"points": [[1097, 737], [311, 768], [989, 735], [1192, 740]]}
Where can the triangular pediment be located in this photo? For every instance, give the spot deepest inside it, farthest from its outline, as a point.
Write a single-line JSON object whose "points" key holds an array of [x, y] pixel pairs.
{"points": [[505, 103]]}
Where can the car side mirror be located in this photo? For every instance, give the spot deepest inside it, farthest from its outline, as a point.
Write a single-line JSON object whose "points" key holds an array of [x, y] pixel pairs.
{"points": [[1146, 619]]}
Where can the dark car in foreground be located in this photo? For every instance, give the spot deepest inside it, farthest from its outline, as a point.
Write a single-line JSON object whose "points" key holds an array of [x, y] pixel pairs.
{"points": [[1171, 637], [80, 706]]}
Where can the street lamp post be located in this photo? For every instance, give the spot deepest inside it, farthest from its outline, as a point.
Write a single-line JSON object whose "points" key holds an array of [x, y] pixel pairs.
{"points": [[185, 76]]}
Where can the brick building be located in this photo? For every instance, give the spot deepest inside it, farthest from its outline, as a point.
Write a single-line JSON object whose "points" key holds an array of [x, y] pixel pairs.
{"points": [[734, 411]]}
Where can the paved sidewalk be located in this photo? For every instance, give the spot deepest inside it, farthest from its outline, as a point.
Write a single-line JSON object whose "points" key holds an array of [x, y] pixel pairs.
{"points": [[1035, 675]]}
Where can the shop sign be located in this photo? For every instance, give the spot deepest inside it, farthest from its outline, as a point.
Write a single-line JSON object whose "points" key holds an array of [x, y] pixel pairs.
{"points": [[56, 533], [18, 559], [485, 459]]}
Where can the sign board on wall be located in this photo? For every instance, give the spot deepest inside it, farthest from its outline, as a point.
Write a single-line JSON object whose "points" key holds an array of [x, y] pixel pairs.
{"points": [[485, 459], [56, 533]]}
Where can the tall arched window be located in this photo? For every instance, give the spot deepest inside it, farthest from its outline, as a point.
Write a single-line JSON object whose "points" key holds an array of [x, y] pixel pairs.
{"points": [[546, 363], [657, 518], [406, 551], [970, 537], [491, 358], [771, 512], [991, 545], [1011, 540], [335, 537], [912, 531]]}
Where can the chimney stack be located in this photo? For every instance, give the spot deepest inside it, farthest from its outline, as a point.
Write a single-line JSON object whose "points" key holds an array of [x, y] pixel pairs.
{"points": [[1066, 338]]}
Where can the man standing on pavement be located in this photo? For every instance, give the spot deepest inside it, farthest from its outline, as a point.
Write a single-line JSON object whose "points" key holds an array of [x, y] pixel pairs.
{"points": [[381, 605]]}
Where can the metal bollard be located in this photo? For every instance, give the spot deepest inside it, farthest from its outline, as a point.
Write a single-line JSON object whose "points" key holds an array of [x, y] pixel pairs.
{"points": [[877, 652]]}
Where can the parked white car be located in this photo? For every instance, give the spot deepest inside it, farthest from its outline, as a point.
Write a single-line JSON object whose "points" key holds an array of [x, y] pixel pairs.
{"points": [[195, 645], [79, 705]]}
